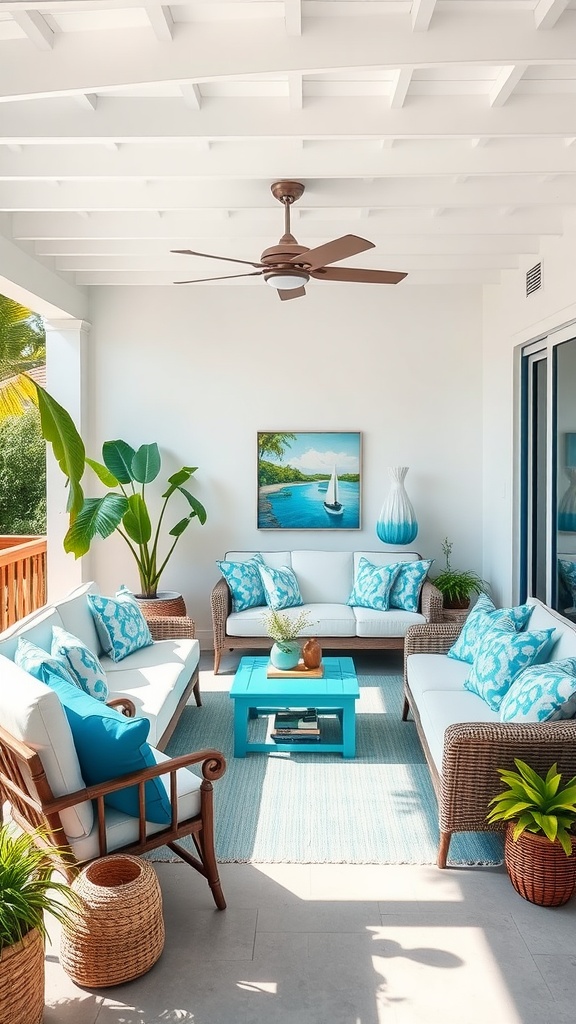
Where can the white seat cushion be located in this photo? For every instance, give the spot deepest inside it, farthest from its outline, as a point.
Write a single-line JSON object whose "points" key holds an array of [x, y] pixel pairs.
{"points": [[325, 620], [76, 616], [394, 622], [439, 709], [122, 829], [435, 672], [30, 711]]}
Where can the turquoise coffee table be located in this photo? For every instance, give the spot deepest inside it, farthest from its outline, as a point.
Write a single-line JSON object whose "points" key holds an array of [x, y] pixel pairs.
{"points": [[254, 694]]}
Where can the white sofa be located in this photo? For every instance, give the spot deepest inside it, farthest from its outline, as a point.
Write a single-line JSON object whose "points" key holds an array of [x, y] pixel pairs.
{"points": [[157, 679], [463, 738], [326, 579]]}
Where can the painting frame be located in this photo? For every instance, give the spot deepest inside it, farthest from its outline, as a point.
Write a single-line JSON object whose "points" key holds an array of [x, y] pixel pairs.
{"points": [[309, 480]]}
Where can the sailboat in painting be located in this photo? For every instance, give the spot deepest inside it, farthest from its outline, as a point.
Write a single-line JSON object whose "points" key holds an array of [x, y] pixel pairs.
{"points": [[331, 503]]}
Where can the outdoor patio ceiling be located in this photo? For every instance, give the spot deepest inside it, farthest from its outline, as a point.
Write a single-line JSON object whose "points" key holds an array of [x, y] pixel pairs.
{"points": [[442, 130]]}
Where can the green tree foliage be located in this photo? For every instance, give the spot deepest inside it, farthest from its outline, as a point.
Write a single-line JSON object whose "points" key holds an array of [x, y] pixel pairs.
{"points": [[22, 347], [22, 474], [274, 444]]}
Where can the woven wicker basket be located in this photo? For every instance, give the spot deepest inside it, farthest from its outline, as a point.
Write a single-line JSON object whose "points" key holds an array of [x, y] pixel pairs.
{"points": [[167, 603], [22, 981], [120, 932], [540, 870]]}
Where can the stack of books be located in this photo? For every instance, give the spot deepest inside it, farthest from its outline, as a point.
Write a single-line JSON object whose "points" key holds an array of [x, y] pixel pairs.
{"points": [[296, 725]]}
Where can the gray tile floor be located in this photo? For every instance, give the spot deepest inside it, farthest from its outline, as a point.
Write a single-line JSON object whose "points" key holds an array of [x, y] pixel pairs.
{"points": [[341, 944]]}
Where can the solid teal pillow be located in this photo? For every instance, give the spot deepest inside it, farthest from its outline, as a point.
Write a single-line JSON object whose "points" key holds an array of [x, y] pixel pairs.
{"points": [[281, 587], [482, 618], [373, 585], [109, 745]]}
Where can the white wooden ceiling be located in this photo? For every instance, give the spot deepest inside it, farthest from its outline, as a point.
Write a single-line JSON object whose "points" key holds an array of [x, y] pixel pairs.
{"points": [[442, 130]]}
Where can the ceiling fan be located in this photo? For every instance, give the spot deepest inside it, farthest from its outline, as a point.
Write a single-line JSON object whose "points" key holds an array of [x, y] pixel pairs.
{"points": [[289, 266]]}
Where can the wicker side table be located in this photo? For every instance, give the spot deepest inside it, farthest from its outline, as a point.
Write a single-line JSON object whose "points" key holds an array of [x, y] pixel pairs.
{"points": [[119, 934]]}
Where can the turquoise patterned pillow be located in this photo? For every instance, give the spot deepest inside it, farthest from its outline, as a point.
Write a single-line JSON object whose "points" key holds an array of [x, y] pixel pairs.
{"points": [[83, 666], [373, 585], [483, 616], [244, 582], [281, 587], [502, 655], [406, 588], [120, 624], [32, 658], [541, 693]]}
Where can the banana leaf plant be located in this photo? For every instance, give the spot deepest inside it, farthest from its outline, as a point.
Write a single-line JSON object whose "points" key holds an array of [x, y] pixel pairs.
{"points": [[123, 509]]}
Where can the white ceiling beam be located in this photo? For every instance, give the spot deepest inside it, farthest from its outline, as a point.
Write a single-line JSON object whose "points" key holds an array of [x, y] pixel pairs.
{"points": [[338, 118], [86, 100], [161, 21], [293, 17], [104, 195], [478, 143], [35, 27], [399, 87], [295, 90], [184, 224], [547, 12], [26, 280], [224, 49], [191, 95], [506, 82], [421, 14]]}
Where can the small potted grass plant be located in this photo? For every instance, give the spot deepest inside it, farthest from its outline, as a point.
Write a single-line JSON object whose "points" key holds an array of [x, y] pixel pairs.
{"points": [[284, 629], [540, 844], [457, 587], [27, 892]]}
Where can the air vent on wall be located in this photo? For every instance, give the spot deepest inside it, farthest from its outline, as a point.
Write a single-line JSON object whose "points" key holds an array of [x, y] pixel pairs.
{"points": [[533, 279]]}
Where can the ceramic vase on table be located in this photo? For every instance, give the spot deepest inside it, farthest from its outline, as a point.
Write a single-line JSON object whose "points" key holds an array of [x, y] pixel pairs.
{"points": [[397, 523], [286, 655]]}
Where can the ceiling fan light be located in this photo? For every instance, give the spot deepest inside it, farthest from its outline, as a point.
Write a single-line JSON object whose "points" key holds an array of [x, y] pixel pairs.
{"points": [[286, 281]]}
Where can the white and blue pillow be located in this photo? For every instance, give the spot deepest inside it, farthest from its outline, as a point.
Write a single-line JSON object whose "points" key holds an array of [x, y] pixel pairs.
{"points": [[373, 585], [120, 624], [409, 581], [482, 618], [280, 587], [82, 664], [32, 659], [542, 693], [244, 582], [502, 654]]}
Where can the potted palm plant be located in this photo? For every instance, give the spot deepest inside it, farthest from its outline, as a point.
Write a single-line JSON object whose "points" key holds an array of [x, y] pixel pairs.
{"points": [[457, 587], [540, 844], [27, 892], [124, 508]]}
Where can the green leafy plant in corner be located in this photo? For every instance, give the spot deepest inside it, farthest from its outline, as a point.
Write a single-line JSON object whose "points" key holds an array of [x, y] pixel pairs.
{"points": [[457, 587], [124, 509], [283, 629], [27, 888], [537, 804]]}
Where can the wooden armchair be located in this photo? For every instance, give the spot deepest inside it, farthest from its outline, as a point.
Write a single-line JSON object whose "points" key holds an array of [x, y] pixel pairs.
{"points": [[24, 785]]}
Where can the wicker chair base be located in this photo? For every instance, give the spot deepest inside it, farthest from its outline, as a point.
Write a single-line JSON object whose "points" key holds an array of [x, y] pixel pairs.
{"points": [[119, 934], [22, 981], [539, 870]]}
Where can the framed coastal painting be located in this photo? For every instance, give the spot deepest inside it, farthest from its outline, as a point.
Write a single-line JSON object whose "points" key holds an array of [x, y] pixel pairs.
{"points": [[309, 480]]}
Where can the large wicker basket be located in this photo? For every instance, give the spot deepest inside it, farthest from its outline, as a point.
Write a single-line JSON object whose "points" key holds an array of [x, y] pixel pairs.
{"points": [[119, 933], [22, 981], [168, 602], [540, 870]]}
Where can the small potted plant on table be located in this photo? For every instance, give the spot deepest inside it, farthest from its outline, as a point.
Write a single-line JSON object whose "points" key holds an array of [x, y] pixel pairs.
{"points": [[284, 630], [457, 587], [540, 844]]}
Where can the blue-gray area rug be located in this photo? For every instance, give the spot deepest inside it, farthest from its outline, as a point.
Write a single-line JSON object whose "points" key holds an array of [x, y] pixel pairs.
{"points": [[313, 808]]}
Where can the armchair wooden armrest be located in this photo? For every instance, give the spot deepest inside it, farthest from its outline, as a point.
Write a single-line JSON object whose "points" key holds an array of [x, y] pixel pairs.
{"points": [[126, 706]]}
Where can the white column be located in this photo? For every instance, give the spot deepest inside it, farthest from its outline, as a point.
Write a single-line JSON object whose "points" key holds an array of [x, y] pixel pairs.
{"points": [[66, 380]]}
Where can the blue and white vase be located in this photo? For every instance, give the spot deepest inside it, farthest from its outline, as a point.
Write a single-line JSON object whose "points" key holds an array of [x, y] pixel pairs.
{"points": [[397, 523], [567, 506]]}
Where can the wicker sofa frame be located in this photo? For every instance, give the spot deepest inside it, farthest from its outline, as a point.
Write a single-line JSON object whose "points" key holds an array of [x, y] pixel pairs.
{"points": [[431, 606], [33, 806], [474, 751]]}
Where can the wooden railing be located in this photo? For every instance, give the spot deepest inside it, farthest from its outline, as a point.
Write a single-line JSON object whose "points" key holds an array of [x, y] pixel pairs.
{"points": [[22, 577]]}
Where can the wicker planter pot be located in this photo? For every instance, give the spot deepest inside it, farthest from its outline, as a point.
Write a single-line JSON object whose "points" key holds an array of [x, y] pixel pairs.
{"points": [[119, 934], [540, 870], [22, 981], [168, 602]]}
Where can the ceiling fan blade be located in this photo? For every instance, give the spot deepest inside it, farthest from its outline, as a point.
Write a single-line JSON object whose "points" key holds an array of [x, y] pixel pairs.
{"points": [[356, 275], [210, 256], [331, 252], [291, 293], [225, 277]]}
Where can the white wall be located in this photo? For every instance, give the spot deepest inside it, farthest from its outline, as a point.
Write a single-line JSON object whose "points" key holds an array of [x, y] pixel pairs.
{"points": [[202, 369], [510, 319]]}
